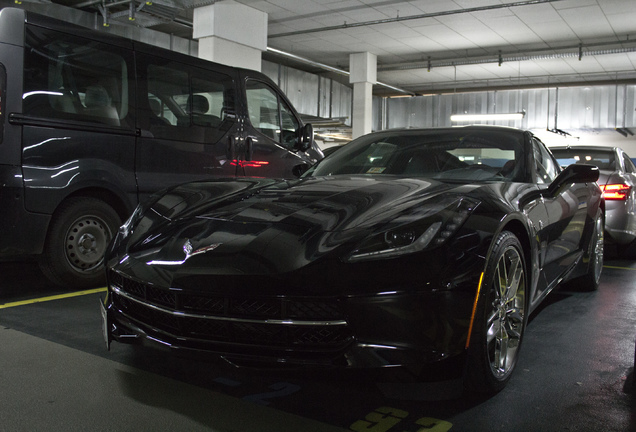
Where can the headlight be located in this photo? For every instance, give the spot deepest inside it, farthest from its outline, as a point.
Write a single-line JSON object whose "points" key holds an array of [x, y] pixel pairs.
{"points": [[432, 227]]}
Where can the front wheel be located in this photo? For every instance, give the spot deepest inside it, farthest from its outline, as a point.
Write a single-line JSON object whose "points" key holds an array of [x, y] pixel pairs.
{"points": [[79, 234], [500, 317]]}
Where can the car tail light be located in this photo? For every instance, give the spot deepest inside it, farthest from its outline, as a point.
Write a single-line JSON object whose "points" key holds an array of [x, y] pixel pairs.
{"points": [[616, 192]]}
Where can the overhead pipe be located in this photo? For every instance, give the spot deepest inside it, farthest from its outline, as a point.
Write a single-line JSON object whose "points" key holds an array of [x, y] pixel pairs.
{"points": [[412, 17], [512, 58], [87, 3], [117, 3]]}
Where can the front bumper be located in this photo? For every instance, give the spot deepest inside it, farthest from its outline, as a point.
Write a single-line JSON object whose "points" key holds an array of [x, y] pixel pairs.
{"points": [[422, 331]]}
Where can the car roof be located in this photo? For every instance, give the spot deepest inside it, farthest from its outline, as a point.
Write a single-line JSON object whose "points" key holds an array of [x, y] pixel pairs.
{"points": [[467, 128], [585, 147]]}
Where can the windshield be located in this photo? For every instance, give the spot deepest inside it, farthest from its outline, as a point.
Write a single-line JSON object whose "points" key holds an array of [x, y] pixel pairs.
{"points": [[603, 159], [449, 154]]}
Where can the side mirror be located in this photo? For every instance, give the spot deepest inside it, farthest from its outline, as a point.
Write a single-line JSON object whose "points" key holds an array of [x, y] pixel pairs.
{"points": [[571, 174], [576, 173], [305, 137], [300, 169]]}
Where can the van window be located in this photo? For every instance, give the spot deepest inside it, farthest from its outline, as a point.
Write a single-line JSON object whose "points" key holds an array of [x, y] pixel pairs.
{"points": [[71, 78], [181, 102], [270, 114]]}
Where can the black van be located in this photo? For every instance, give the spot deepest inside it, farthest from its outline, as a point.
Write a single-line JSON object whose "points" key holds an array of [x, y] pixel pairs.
{"points": [[91, 123]]}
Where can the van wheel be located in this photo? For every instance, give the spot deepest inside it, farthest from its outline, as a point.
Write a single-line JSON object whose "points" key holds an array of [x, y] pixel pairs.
{"points": [[79, 234]]}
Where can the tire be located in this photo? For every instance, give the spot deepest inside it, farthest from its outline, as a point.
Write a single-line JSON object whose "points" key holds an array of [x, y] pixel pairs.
{"points": [[78, 236], [500, 318], [594, 256]]}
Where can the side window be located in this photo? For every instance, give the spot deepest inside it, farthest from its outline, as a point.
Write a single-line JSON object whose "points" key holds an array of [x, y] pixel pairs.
{"points": [[629, 165], [71, 78], [289, 126], [168, 91], [270, 114], [546, 166], [186, 104], [206, 104]]}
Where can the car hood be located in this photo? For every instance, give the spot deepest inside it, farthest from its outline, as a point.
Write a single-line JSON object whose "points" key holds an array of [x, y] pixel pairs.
{"points": [[259, 226]]}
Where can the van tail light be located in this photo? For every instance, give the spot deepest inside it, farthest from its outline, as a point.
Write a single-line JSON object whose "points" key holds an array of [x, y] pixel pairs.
{"points": [[249, 164], [616, 192]]}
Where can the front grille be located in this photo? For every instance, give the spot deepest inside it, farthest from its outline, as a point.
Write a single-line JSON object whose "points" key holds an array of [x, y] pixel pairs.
{"points": [[277, 322]]}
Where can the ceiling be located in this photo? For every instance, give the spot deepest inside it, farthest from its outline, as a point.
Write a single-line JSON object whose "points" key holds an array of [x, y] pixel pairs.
{"points": [[431, 46]]}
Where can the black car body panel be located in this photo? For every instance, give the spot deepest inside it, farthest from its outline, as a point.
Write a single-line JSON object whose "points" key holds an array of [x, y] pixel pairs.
{"points": [[286, 271]]}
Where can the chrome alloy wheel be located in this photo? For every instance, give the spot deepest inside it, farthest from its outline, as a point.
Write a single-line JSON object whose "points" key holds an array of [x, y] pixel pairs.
{"points": [[505, 322]]}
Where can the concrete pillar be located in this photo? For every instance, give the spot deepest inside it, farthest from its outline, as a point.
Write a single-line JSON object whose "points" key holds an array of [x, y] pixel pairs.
{"points": [[231, 33], [364, 70]]}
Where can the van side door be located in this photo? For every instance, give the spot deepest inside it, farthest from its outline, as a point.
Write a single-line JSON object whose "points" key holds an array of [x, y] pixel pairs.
{"points": [[76, 117], [187, 123], [272, 134]]}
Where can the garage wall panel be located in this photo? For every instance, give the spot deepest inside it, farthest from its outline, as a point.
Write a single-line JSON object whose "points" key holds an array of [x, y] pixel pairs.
{"points": [[410, 112], [341, 100], [628, 114], [302, 90], [565, 108], [324, 97], [593, 107], [536, 103], [272, 71]]}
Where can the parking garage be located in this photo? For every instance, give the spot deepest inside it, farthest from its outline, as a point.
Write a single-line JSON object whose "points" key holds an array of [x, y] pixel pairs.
{"points": [[577, 363]]}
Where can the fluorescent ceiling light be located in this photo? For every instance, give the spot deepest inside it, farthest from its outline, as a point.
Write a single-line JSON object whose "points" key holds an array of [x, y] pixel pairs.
{"points": [[481, 117]]}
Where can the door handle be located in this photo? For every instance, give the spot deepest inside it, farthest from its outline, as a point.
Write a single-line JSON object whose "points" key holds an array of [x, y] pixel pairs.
{"points": [[249, 150], [231, 146]]}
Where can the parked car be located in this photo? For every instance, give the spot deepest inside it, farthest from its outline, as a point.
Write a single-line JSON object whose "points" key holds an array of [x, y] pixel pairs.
{"points": [[617, 179], [425, 249]]}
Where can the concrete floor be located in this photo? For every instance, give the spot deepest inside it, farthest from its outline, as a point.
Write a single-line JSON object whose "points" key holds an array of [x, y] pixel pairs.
{"points": [[574, 374]]}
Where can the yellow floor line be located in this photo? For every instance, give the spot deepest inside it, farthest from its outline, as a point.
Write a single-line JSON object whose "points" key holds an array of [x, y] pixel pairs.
{"points": [[619, 268], [55, 297]]}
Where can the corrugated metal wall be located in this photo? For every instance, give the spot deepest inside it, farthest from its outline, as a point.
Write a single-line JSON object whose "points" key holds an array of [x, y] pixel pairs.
{"points": [[589, 113], [591, 107], [311, 94], [566, 108]]}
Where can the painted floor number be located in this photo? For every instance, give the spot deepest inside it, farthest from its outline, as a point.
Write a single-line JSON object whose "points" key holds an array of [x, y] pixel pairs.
{"points": [[385, 418]]}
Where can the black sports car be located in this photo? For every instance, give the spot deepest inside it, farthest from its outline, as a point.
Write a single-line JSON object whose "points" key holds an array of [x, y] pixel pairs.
{"points": [[426, 249]]}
